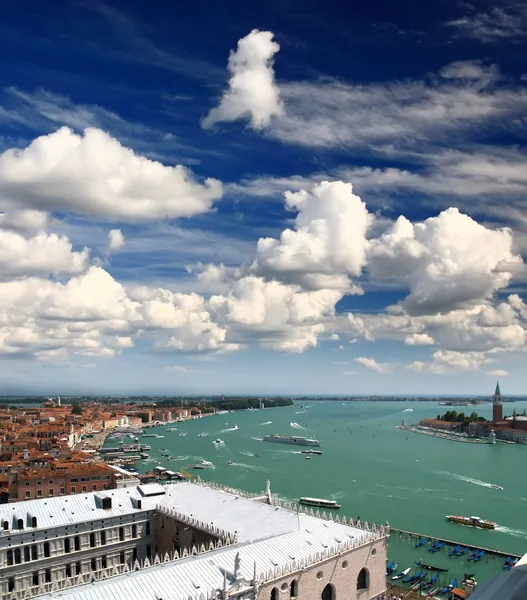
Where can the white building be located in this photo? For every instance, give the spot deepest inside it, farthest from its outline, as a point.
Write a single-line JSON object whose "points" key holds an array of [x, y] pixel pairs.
{"points": [[204, 542], [46, 541]]}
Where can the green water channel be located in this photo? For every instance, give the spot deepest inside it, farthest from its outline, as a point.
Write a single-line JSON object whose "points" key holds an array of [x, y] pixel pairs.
{"points": [[376, 472]]}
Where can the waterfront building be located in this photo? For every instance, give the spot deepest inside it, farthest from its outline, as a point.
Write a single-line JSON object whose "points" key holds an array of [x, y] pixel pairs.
{"points": [[497, 405], [187, 540]]}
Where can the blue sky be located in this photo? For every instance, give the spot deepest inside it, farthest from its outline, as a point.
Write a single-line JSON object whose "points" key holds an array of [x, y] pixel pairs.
{"points": [[297, 197]]}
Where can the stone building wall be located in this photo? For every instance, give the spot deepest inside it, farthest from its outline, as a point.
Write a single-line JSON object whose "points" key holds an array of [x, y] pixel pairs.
{"points": [[341, 573], [32, 556], [174, 535]]}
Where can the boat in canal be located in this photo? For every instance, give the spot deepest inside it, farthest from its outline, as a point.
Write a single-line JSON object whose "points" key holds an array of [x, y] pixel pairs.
{"points": [[471, 521], [319, 502], [391, 567], [431, 567], [291, 439], [401, 574]]}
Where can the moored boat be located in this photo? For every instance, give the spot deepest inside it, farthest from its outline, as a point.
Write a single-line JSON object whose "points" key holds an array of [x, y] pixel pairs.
{"points": [[319, 502], [431, 568], [449, 587], [401, 574], [455, 550]]}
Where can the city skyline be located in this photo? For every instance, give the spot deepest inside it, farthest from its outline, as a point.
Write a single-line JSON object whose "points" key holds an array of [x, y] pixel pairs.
{"points": [[292, 200]]}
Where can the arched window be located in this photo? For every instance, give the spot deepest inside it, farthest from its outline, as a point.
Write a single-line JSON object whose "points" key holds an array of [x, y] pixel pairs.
{"points": [[274, 594], [293, 589], [92, 540], [5, 525], [20, 524], [328, 593], [33, 521], [46, 550], [34, 552], [27, 554], [9, 558], [363, 580]]}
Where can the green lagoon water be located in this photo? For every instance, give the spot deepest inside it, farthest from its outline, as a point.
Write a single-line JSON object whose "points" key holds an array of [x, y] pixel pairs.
{"points": [[376, 472]]}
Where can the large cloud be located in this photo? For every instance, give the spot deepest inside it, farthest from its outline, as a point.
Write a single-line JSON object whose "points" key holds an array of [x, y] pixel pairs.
{"points": [[328, 243], [39, 255], [252, 91], [95, 175], [93, 314], [449, 261]]}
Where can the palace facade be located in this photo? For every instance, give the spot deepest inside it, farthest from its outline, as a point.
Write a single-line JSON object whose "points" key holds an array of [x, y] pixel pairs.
{"points": [[186, 541]]}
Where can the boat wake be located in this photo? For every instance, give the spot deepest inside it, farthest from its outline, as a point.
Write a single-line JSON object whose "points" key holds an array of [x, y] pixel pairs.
{"points": [[257, 439], [235, 428], [266, 423], [296, 426], [471, 480], [246, 453], [511, 531], [250, 467]]}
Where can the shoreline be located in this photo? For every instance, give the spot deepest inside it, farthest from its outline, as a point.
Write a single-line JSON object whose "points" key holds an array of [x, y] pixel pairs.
{"points": [[444, 436]]}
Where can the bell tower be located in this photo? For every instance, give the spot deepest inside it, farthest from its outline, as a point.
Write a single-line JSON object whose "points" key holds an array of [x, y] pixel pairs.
{"points": [[497, 406]]}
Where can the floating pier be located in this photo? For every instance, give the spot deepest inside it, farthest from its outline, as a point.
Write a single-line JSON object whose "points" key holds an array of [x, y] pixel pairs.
{"points": [[420, 536]]}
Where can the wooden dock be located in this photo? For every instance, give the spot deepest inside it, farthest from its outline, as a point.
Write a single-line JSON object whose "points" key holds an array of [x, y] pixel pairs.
{"points": [[420, 536]]}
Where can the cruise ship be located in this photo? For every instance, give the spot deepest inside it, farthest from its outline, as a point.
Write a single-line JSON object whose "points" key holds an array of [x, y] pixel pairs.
{"points": [[473, 521], [291, 439]]}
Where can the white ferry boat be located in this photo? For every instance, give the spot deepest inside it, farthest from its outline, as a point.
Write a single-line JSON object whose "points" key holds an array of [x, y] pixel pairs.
{"points": [[319, 502], [291, 439]]}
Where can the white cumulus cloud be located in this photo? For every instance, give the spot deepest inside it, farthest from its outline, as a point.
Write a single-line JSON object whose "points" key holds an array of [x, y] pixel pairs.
{"points": [[252, 91], [115, 240], [328, 243], [449, 261], [41, 254], [371, 363], [94, 175]]}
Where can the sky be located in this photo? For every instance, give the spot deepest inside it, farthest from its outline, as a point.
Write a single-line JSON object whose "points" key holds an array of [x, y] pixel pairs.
{"points": [[292, 197]]}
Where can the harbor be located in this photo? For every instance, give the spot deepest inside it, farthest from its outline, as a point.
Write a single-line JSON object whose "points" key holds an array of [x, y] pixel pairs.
{"points": [[367, 467]]}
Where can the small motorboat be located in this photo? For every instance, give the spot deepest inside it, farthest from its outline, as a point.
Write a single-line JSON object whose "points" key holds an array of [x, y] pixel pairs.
{"points": [[401, 574], [421, 542], [479, 556], [463, 551], [229, 462], [308, 457], [218, 441], [206, 463], [507, 562], [513, 563], [455, 550]]}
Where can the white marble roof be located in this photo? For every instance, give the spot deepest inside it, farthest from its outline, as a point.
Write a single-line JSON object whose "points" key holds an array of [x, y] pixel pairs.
{"points": [[77, 508], [202, 574], [249, 520]]}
